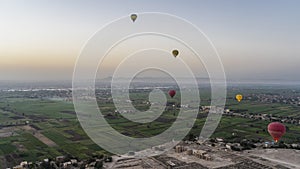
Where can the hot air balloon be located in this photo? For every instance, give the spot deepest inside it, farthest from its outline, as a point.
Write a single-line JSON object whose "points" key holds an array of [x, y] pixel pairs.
{"points": [[175, 53], [133, 17], [276, 130], [172, 93], [239, 97]]}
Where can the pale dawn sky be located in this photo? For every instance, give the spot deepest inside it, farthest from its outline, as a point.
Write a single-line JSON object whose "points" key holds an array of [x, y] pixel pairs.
{"points": [[41, 39]]}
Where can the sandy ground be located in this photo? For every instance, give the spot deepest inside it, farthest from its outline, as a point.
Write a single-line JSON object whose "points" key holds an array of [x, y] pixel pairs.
{"points": [[218, 161], [285, 157], [39, 136], [134, 163], [273, 158]]}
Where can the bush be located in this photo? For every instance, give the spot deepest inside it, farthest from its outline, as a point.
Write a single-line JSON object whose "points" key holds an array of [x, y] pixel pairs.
{"points": [[99, 164]]}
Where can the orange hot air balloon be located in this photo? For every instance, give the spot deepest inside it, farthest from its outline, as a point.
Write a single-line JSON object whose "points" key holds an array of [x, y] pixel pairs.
{"points": [[172, 93], [276, 130], [239, 97]]}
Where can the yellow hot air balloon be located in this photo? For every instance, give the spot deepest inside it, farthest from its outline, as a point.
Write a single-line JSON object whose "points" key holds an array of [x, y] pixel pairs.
{"points": [[175, 52], [239, 97], [133, 17]]}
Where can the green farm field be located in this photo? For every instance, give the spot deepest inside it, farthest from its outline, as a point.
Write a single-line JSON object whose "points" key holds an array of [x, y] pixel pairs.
{"points": [[56, 120]]}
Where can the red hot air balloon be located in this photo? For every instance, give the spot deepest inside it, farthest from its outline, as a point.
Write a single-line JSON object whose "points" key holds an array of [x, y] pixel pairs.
{"points": [[172, 93], [276, 130]]}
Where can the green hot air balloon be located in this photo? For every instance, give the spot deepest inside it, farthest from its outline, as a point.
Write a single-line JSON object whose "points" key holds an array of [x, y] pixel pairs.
{"points": [[133, 17], [175, 53]]}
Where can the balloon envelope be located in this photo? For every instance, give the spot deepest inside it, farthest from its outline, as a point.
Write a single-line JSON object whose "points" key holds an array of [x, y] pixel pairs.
{"points": [[239, 97], [172, 93], [175, 53], [133, 17], [276, 130]]}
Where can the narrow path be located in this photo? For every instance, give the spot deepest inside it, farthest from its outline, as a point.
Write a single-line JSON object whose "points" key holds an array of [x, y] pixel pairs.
{"points": [[39, 136]]}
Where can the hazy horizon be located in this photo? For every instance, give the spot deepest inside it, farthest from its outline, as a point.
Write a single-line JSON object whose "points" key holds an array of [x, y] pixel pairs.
{"points": [[256, 40], [144, 80]]}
